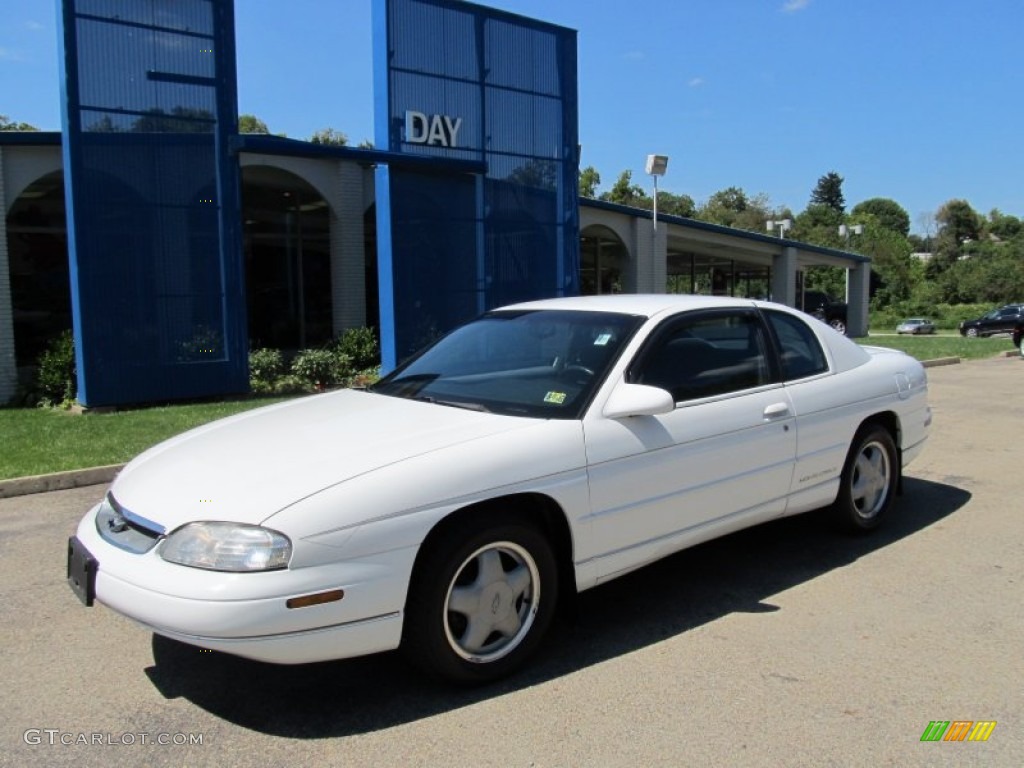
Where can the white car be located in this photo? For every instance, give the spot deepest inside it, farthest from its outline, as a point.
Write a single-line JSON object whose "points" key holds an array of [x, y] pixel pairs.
{"points": [[543, 448]]}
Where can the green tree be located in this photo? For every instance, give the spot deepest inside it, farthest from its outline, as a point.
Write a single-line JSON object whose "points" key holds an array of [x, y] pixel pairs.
{"points": [[10, 125], [892, 265], [958, 221], [676, 205], [724, 206], [590, 180], [732, 207], [829, 192], [888, 213], [818, 224], [625, 192], [251, 124], [1003, 226], [993, 274], [958, 224], [330, 137]]}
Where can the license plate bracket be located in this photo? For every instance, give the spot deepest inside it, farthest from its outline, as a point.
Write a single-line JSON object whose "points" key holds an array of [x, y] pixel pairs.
{"points": [[82, 569]]}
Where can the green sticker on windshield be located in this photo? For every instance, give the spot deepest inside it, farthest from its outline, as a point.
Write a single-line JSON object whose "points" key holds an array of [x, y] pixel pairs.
{"points": [[556, 398]]}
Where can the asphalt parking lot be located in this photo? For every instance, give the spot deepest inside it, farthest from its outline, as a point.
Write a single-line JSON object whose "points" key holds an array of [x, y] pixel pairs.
{"points": [[784, 645]]}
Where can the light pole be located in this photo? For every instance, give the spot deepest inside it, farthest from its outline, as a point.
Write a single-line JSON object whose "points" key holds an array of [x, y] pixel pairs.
{"points": [[656, 166], [853, 229], [783, 225]]}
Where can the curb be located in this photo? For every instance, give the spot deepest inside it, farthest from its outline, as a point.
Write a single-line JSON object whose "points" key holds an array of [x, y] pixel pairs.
{"points": [[58, 481], [940, 361]]}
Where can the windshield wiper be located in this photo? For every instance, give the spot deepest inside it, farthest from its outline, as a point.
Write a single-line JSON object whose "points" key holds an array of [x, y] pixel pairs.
{"points": [[453, 403]]}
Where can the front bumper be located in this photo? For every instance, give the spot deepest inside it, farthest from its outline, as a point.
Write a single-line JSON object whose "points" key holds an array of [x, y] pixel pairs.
{"points": [[246, 614]]}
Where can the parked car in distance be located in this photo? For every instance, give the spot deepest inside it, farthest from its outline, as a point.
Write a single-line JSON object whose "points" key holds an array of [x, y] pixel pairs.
{"points": [[916, 325], [999, 320], [540, 450]]}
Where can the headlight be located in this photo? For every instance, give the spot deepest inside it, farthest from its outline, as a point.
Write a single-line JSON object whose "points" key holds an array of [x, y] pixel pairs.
{"points": [[227, 547]]}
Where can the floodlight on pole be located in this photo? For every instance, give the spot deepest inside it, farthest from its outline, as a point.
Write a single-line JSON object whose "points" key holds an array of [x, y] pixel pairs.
{"points": [[853, 229], [656, 166], [783, 225]]}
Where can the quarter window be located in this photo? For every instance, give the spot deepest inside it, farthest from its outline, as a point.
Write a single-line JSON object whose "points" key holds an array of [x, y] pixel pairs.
{"points": [[801, 352]]}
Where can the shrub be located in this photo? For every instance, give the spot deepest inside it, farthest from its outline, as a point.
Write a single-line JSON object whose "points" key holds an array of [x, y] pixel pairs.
{"points": [[323, 368], [56, 379], [283, 385], [360, 346], [266, 366]]}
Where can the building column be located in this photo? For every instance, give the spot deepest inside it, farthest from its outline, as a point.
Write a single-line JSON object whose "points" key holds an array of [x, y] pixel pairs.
{"points": [[858, 285], [784, 269], [348, 274], [8, 363]]}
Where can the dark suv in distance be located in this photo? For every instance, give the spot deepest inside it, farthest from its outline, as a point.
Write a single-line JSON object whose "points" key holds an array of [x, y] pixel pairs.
{"points": [[1000, 320], [825, 308]]}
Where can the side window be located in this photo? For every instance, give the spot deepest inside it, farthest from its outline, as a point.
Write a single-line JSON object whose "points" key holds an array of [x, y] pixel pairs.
{"points": [[705, 354], [801, 352]]}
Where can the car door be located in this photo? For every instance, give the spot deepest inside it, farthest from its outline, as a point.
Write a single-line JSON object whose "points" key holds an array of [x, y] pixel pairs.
{"points": [[722, 459]]}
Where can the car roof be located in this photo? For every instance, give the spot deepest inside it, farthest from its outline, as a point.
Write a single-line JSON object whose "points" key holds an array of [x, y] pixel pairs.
{"points": [[845, 353], [648, 305]]}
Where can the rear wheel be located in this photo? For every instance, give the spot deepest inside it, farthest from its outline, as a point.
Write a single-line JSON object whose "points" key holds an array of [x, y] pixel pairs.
{"points": [[838, 324], [868, 483], [481, 600]]}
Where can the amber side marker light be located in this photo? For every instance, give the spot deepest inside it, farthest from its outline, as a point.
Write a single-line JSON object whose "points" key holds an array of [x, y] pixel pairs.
{"points": [[319, 598]]}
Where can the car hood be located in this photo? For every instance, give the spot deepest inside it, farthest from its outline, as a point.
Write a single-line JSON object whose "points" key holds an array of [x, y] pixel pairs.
{"points": [[248, 467]]}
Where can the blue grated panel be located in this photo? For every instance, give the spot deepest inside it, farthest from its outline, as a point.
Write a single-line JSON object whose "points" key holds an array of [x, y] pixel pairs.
{"points": [[512, 235], [149, 101]]}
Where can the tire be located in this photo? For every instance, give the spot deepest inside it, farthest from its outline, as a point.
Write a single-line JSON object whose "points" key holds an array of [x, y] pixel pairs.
{"points": [[868, 483], [971, 333], [838, 324], [481, 599]]}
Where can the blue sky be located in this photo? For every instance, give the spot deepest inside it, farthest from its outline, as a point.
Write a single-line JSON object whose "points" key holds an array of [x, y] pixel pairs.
{"points": [[911, 100]]}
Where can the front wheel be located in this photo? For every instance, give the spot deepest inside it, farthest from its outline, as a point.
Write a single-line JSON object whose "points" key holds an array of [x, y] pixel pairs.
{"points": [[838, 325], [868, 483], [482, 598], [972, 333]]}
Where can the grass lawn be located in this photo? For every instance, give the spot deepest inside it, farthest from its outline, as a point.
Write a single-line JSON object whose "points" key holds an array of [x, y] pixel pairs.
{"points": [[942, 345], [37, 441]]}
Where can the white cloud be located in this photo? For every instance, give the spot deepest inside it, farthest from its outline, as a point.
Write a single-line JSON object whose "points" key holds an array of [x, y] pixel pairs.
{"points": [[6, 54], [792, 6], [34, 26], [695, 82], [634, 55]]}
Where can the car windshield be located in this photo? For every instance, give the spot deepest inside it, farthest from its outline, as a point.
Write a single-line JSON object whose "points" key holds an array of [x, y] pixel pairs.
{"points": [[537, 363]]}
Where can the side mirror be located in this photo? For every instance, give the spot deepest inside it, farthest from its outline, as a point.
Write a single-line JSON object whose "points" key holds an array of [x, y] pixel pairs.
{"points": [[638, 400]]}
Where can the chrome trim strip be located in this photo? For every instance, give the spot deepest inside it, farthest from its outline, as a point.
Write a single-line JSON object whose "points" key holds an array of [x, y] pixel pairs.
{"points": [[137, 520]]}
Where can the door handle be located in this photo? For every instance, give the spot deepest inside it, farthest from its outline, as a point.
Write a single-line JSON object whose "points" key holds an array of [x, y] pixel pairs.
{"points": [[776, 411]]}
